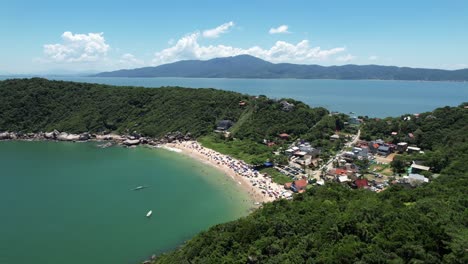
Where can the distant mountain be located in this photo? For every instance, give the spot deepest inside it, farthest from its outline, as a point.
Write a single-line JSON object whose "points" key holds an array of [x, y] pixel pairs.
{"points": [[246, 66]]}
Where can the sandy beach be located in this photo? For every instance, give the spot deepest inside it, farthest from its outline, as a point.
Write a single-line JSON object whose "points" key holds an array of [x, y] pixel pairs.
{"points": [[260, 187]]}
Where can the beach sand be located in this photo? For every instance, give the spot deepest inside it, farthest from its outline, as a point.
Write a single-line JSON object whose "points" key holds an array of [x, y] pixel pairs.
{"points": [[261, 189]]}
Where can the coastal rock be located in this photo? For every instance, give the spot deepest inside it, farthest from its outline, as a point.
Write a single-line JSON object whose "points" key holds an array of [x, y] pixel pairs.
{"points": [[5, 135], [131, 142], [51, 135], [68, 137], [84, 137]]}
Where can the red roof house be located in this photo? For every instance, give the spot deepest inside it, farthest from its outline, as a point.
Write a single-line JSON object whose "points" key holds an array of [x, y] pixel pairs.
{"points": [[361, 183]]}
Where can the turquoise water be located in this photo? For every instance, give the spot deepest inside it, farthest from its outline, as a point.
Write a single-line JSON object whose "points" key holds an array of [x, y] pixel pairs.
{"points": [[73, 203], [364, 97]]}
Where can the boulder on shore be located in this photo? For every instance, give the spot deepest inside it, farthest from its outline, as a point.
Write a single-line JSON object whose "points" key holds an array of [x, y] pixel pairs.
{"points": [[68, 137], [5, 135], [131, 142]]}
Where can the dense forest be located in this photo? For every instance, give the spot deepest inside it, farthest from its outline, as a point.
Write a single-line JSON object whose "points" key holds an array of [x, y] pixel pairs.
{"points": [[33, 105], [334, 224], [246, 66]]}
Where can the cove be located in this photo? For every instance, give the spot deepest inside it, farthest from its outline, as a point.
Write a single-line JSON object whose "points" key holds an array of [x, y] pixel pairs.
{"points": [[73, 203]]}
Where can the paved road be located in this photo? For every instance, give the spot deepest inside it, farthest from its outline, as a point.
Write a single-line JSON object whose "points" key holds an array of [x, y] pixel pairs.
{"points": [[329, 165]]}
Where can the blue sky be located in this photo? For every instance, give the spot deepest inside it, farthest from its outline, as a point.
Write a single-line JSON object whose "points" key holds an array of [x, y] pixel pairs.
{"points": [[64, 36]]}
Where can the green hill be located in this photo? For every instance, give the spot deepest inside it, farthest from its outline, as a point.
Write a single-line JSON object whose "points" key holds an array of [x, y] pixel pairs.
{"points": [[334, 224], [33, 105]]}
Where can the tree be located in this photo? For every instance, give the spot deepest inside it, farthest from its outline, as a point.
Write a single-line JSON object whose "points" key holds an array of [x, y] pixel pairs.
{"points": [[398, 165]]}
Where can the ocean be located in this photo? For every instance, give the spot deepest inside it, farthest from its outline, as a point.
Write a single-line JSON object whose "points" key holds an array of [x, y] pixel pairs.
{"points": [[374, 98]]}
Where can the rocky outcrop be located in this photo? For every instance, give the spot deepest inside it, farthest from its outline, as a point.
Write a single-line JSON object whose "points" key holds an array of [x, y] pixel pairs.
{"points": [[5, 135], [68, 137], [131, 142]]}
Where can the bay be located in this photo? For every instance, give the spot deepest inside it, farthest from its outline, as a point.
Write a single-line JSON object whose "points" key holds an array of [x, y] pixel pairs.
{"points": [[374, 98], [73, 203]]}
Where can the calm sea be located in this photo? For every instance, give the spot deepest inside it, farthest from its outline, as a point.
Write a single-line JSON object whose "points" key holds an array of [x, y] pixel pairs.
{"points": [[72, 202], [364, 97]]}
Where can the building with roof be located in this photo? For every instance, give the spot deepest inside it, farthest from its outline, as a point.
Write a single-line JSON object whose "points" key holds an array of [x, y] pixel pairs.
{"points": [[416, 168], [224, 125], [299, 185], [361, 183], [384, 150]]}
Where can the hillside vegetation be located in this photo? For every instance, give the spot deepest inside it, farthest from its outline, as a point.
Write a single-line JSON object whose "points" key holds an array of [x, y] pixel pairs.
{"points": [[334, 224], [33, 105]]}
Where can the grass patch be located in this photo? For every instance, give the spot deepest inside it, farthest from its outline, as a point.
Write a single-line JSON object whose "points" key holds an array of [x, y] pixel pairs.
{"points": [[277, 176], [246, 150]]}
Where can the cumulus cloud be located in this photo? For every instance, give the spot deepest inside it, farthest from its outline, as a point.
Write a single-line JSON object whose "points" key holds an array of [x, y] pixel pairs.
{"points": [[215, 32], [373, 58], [77, 48], [279, 30], [129, 60], [346, 58], [188, 47]]}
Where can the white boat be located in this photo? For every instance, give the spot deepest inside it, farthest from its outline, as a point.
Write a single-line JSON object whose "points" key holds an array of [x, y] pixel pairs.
{"points": [[150, 212], [139, 188]]}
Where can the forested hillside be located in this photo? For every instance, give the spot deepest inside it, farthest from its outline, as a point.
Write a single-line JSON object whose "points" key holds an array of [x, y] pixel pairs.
{"points": [[33, 105], [334, 224]]}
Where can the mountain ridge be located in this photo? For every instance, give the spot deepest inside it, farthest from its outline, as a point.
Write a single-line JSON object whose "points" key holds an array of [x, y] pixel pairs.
{"points": [[249, 67]]}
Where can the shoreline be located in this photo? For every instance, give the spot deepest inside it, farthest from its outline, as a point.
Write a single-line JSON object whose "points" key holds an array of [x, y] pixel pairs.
{"points": [[259, 187]]}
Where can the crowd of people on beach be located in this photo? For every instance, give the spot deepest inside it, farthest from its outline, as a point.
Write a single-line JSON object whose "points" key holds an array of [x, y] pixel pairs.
{"points": [[263, 182]]}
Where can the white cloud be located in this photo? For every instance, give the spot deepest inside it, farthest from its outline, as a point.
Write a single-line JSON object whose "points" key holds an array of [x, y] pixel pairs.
{"points": [[77, 48], [188, 47], [280, 29], [128, 60], [373, 58], [346, 58], [215, 32]]}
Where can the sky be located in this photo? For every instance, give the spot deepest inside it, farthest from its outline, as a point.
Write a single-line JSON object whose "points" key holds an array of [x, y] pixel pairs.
{"points": [[92, 36]]}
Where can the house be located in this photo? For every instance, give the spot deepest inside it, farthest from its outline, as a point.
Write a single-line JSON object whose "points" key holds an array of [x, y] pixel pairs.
{"points": [[361, 183], [306, 160], [354, 120], [343, 178], [224, 125], [401, 147], [242, 103], [413, 149], [394, 133], [380, 142], [334, 137], [416, 179], [299, 185], [416, 168], [288, 185], [383, 150], [284, 136], [286, 106]]}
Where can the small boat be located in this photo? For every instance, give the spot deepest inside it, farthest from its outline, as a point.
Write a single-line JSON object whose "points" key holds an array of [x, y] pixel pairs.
{"points": [[150, 212], [139, 188]]}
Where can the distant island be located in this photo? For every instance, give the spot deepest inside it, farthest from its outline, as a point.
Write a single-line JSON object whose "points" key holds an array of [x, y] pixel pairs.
{"points": [[246, 66]]}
